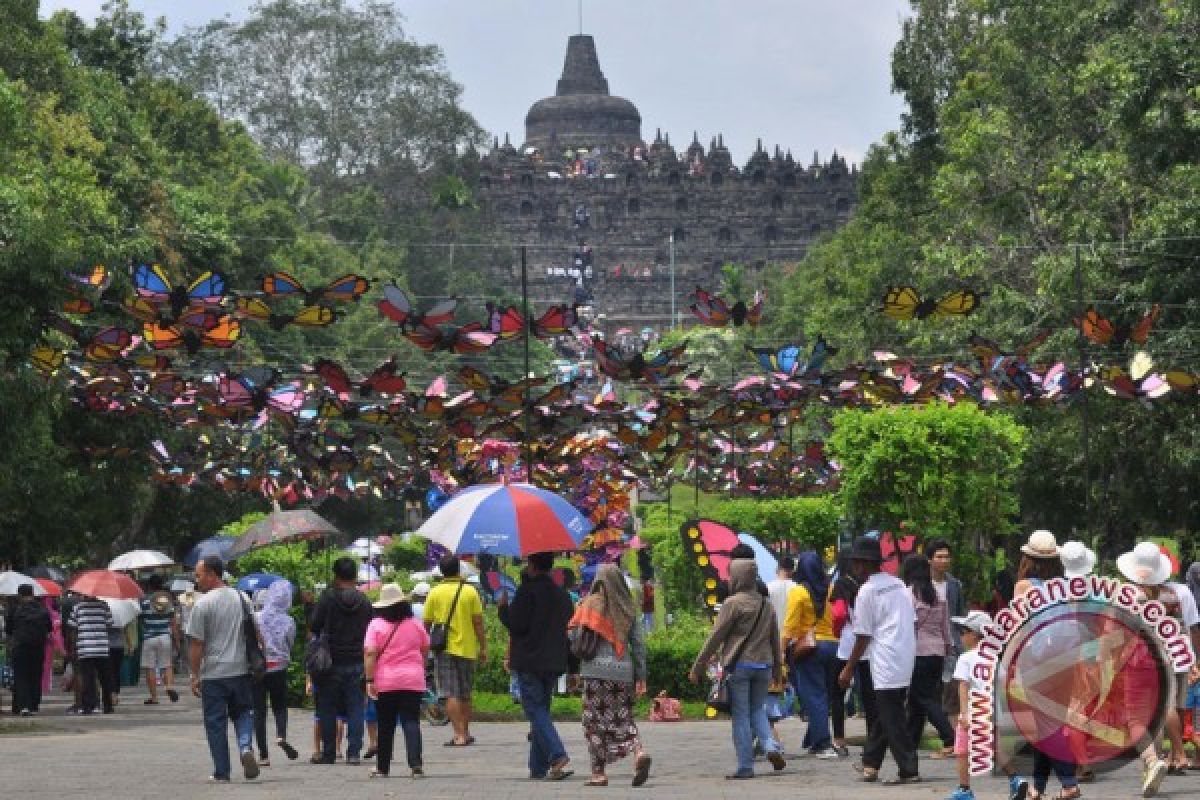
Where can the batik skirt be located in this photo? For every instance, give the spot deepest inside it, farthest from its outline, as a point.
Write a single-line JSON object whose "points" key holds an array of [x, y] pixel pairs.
{"points": [[608, 723]]}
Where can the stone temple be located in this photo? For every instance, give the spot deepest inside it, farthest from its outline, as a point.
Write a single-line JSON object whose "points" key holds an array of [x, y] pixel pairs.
{"points": [[598, 206]]}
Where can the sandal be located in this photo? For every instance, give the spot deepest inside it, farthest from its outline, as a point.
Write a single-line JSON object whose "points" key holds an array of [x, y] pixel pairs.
{"points": [[942, 753], [1068, 794], [641, 769], [560, 771], [901, 780], [149, 701], [596, 782]]}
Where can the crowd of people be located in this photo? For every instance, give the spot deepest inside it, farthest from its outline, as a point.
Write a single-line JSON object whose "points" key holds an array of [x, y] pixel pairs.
{"points": [[908, 644], [904, 645]]}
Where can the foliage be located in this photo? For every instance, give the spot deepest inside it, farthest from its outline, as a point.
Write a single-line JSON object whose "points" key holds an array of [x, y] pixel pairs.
{"points": [[296, 561], [409, 556], [1030, 127], [670, 651], [937, 471]]}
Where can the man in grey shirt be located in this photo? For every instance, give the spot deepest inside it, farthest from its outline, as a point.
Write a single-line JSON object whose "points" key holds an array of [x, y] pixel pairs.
{"points": [[220, 677]]}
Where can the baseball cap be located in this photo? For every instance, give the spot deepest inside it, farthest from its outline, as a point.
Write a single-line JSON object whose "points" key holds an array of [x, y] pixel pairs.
{"points": [[974, 621]]}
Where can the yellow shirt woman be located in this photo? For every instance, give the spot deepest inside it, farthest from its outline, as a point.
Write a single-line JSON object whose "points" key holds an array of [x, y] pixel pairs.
{"points": [[801, 617]]}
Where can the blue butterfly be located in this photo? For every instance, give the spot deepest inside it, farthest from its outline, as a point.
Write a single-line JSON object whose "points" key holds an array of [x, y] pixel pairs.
{"points": [[788, 360], [151, 283]]}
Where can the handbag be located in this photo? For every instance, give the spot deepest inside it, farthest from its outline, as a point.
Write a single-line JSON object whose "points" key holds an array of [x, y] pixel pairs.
{"points": [[666, 709], [256, 659], [586, 644], [439, 632], [718, 694], [800, 649], [318, 659]]}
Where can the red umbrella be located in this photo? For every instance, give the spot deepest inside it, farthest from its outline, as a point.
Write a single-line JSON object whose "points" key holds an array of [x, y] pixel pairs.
{"points": [[105, 583], [52, 588]]}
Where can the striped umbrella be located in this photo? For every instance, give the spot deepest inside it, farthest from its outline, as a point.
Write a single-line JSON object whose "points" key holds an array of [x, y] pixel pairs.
{"points": [[513, 519]]}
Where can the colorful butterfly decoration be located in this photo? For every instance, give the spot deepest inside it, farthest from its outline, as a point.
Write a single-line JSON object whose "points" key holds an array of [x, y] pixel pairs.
{"points": [[223, 333], [1103, 331], [385, 379], [95, 281], [1140, 382], [710, 543], [47, 360], [508, 323], [397, 307], [894, 550], [655, 369], [470, 338], [789, 361], [105, 345], [312, 316], [150, 282], [903, 303], [717, 313], [347, 288]]}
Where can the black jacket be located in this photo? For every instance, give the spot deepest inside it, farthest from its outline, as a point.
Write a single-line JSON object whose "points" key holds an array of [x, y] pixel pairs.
{"points": [[29, 624], [537, 627], [343, 614]]}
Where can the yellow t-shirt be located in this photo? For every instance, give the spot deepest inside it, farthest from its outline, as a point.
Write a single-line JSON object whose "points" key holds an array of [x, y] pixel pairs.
{"points": [[461, 640], [801, 617]]}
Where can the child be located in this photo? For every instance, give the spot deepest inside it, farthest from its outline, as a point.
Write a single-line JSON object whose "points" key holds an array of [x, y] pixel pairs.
{"points": [[972, 632], [776, 704]]}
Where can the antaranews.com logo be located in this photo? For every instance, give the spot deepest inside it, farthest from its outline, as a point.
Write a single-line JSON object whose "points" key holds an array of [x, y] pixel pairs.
{"points": [[1078, 668]]}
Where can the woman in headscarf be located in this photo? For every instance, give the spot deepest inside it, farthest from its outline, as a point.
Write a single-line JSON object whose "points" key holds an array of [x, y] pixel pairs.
{"points": [[278, 634], [606, 633], [745, 638], [810, 646]]}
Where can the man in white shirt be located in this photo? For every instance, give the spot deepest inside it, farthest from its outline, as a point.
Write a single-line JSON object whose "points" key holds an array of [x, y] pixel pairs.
{"points": [[885, 632], [777, 590]]}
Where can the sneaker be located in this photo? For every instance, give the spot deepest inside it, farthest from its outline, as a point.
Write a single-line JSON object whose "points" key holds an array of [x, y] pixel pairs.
{"points": [[1018, 788], [828, 754], [249, 765], [215, 779], [1152, 778], [25, 712], [842, 751], [962, 794]]}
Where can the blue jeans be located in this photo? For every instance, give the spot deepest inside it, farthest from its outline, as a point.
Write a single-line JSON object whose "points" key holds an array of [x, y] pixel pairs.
{"points": [[545, 748], [748, 707], [223, 699], [341, 689], [814, 694]]}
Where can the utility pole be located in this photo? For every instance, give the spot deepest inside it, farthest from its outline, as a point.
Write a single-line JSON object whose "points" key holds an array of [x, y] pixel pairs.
{"points": [[525, 378]]}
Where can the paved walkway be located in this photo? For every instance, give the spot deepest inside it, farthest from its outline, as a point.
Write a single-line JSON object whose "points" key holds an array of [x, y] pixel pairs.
{"points": [[159, 752]]}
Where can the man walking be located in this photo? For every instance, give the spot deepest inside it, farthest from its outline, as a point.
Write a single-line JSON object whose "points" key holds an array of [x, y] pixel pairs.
{"points": [[949, 589], [778, 589], [537, 626], [457, 606], [160, 639], [90, 621], [342, 615], [28, 628], [885, 632], [220, 676]]}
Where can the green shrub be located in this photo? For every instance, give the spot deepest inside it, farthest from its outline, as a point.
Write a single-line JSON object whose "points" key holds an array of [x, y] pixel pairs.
{"points": [[670, 652], [406, 556]]}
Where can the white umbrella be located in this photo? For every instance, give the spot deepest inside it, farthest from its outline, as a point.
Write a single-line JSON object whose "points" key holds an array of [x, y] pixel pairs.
{"points": [[364, 548], [140, 559], [180, 585], [9, 581], [367, 573], [123, 611]]}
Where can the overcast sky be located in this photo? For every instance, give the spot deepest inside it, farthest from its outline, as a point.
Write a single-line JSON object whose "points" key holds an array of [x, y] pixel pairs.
{"points": [[805, 74]]}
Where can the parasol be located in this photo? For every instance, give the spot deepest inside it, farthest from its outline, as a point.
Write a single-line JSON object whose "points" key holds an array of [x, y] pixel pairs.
{"points": [[513, 519], [9, 581], [105, 583], [213, 546], [140, 559], [282, 526]]}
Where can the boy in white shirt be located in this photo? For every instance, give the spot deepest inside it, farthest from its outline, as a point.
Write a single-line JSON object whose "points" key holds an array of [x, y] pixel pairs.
{"points": [[971, 628]]}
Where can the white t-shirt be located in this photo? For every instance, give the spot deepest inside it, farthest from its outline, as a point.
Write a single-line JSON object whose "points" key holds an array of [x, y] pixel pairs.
{"points": [[1187, 604], [846, 642], [964, 670], [778, 590], [884, 611]]}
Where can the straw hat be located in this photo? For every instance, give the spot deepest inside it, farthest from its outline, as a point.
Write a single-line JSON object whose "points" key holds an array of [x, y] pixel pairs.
{"points": [[1145, 565], [161, 602], [1078, 560], [1041, 544], [389, 595]]}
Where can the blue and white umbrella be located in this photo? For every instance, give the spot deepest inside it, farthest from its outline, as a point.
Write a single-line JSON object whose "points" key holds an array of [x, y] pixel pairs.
{"points": [[256, 580], [513, 519], [218, 546]]}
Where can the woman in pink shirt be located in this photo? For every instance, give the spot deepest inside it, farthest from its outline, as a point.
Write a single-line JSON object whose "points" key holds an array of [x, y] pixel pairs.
{"points": [[394, 656]]}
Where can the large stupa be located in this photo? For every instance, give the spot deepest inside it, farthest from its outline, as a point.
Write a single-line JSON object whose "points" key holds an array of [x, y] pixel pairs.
{"points": [[582, 113]]}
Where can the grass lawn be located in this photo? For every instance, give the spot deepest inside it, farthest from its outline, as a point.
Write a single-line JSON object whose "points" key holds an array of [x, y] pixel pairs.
{"points": [[491, 707]]}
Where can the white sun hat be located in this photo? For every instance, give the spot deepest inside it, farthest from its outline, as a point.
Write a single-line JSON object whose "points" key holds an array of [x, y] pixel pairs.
{"points": [[1077, 558], [1041, 544], [1145, 565]]}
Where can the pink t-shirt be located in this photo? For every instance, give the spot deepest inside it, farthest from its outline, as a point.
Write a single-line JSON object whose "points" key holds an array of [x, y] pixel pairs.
{"points": [[401, 666]]}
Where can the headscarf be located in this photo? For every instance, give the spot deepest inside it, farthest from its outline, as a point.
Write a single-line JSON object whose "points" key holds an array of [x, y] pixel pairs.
{"points": [[609, 609], [1193, 579], [811, 573], [274, 620]]}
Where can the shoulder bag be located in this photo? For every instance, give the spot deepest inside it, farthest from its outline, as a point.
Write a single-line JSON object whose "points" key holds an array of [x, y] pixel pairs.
{"points": [[718, 695], [439, 632], [318, 660], [256, 660]]}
